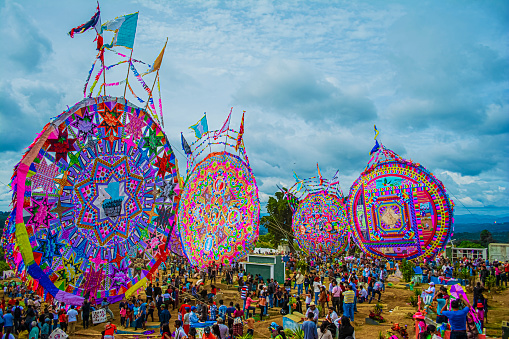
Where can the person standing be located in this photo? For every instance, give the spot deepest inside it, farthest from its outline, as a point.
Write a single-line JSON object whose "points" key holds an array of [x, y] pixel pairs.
{"points": [[164, 317], [336, 295], [309, 327], [458, 319], [299, 281], [72, 318], [348, 303], [85, 313]]}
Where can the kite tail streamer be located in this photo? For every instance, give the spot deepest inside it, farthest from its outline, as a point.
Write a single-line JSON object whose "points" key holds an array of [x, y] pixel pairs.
{"points": [[160, 101]]}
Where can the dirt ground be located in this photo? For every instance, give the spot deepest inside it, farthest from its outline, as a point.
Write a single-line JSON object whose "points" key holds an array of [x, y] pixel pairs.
{"points": [[396, 309]]}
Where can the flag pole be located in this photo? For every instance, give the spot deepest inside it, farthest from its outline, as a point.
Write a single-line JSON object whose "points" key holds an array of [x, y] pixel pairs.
{"points": [[226, 141], [128, 68], [208, 133], [152, 90], [104, 73]]}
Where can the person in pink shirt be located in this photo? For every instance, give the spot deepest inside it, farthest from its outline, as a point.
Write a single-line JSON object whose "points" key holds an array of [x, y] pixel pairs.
{"points": [[250, 301]]}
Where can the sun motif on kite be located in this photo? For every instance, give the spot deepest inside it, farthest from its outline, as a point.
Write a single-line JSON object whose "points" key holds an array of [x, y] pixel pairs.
{"points": [[398, 209], [319, 222]]}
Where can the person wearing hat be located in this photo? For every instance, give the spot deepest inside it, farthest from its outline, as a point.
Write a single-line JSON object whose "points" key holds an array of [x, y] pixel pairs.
{"points": [[419, 319], [45, 331], [480, 314], [223, 329], [313, 310]]}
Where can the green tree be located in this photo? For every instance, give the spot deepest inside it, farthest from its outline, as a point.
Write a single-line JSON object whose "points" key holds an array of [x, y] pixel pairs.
{"points": [[279, 220], [469, 244], [486, 238]]}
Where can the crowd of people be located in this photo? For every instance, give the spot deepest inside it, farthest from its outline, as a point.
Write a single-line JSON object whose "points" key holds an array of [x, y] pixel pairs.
{"points": [[325, 290]]}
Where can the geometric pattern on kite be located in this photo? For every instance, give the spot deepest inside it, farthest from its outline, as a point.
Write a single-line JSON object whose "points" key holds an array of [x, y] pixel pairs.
{"points": [[320, 221], [101, 178], [399, 210], [219, 213]]}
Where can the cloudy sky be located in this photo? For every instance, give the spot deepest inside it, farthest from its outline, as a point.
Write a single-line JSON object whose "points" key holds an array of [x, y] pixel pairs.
{"points": [[313, 77]]}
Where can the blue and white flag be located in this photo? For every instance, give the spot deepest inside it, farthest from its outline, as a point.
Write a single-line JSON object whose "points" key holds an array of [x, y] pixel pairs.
{"points": [[201, 127]]}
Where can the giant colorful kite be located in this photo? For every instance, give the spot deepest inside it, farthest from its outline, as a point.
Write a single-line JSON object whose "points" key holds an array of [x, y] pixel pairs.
{"points": [[95, 195], [219, 213], [398, 209], [99, 190], [320, 222]]}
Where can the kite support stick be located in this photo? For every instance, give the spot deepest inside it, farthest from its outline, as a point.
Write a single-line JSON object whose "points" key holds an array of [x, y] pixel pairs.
{"points": [[128, 68]]}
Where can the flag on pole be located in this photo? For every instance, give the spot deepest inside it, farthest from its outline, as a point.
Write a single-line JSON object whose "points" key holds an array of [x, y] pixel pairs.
{"points": [[185, 145], [124, 28], [241, 132], [375, 148], [94, 22], [225, 127], [157, 62], [377, 145], [201, 127]]}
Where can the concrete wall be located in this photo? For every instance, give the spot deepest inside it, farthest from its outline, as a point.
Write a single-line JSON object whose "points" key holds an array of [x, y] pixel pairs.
{"points": [[498, 251]]}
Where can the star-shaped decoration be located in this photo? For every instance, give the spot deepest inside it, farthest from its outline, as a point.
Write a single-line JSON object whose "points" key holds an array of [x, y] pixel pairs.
{"points": [[40, 213], [151, 214], [164, 164], [74, 159], [49, 248], [59, 209], [61, 145], [117, 260], [85, 124], [152, 142], [63, 182], [154, 192], [97, 261], [111, 120], [167, 190], [143, 156], [130, 143], [111, 138], [71, 270], [136, 123], [93, 281]]}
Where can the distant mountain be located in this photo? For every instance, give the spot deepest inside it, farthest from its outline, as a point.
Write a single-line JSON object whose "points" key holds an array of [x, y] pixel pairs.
{"points": [[480, 219], [472, 228]]}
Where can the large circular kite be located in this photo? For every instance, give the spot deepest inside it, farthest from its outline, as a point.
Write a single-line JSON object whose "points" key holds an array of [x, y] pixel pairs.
{"points": [[99, 189], [320, 222], [399, 210], [219, 212]]}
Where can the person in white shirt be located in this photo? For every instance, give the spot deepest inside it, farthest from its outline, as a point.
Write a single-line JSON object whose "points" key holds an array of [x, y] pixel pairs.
{"points": [[179, 332], [72, 315], [332, 316], [316, 288], [363, 294]]}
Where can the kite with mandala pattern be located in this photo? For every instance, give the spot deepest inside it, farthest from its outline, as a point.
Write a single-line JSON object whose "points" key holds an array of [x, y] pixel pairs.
{"points": [[398, 209], [94, 199], [320, 221]]}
